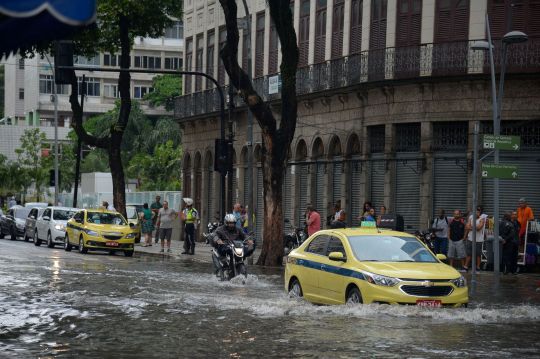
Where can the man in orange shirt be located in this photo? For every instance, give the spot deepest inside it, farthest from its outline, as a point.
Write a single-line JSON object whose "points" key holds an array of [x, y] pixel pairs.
{"points": [[524, 214]]}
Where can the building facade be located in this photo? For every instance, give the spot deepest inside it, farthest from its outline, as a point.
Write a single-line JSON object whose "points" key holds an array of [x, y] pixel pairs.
{"points": [[389, 94], [29, 85]]}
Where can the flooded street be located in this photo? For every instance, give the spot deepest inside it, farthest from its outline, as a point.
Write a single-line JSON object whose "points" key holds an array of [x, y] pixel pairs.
{"points": [[59, 304]]}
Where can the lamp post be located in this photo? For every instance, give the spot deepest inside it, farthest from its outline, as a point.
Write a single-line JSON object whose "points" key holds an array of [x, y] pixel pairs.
{"points": [[55, 96], [512, 37]]}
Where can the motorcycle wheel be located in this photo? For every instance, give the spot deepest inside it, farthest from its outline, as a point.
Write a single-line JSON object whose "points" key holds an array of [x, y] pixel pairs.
{"points": [[221, 275], [241, 269]]}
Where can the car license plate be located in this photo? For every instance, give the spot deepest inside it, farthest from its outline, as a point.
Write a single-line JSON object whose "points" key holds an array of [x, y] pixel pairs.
{"points": [[429, 303], [112, 244]]}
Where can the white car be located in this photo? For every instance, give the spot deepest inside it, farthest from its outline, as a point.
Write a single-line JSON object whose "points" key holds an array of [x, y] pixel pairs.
{"points": [[51, 225]]}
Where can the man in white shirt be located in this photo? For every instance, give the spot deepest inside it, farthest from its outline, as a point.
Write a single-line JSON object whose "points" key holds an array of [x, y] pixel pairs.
{"points": [[165, 219], [440, 227], [481, 220]]}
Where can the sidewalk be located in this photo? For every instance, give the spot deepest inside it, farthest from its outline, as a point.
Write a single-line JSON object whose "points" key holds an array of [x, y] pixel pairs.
{"points": [[202, 251]]}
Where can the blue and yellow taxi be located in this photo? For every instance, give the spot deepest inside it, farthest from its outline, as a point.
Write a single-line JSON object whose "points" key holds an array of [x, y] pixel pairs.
{"points": [[372, 265], [99, 229]]}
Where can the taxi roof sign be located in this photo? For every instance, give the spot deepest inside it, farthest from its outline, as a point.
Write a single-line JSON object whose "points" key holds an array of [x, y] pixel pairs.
{"points": [[368, 224]]}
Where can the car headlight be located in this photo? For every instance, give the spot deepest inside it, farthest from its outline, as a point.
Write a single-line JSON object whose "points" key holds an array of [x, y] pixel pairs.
{"points": [[19, 225], [59, 227], [91, 233], [131, 235], [459, 282], [381, 279]]}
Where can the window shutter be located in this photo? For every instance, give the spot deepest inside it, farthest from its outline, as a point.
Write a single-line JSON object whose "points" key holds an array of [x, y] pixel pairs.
{"points": [[320, 31], [273, 56], [259, 45], [303, 44], [337, 29], [356, 26]]}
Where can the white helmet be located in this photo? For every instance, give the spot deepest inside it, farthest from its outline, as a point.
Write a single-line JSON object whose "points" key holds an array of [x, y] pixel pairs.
{"points": [[188, 201], [230, 218]]}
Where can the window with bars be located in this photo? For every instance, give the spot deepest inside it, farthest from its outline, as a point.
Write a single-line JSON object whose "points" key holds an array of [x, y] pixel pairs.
{"points": [[91, 85], [450, 136], [173, 63], [46, 84], [303, 39], [111, 91], [221, 67], [528, 131], [356, 26], [199, 62], [111, 60], [408, 137], [376, 138], [140, 91], [337, 28], [320, 31], [259, 45], [211, 45], [189, 65], [148, 62]]}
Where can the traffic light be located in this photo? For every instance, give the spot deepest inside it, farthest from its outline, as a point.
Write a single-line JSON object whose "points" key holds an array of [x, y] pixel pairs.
{"points": [[51, 178], [223, 160], [63, 56]]}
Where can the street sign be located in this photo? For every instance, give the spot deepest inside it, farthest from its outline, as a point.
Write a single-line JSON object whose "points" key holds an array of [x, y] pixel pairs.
{"points": [[274, 84], [490, 170], [499, 142]]}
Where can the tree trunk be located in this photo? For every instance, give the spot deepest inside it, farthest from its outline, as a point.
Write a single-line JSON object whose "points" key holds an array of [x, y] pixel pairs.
{"points": [[118, 179]]}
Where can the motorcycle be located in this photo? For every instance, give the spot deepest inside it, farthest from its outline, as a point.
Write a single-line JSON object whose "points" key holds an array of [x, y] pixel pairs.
{"points": [[428, 237], [229, 266], [294, 238]]}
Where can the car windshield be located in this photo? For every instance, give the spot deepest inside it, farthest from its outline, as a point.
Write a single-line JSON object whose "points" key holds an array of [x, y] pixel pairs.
{"points": [[62, 214], [383, 248], [131, 212], [22, 213], [105, 218]]}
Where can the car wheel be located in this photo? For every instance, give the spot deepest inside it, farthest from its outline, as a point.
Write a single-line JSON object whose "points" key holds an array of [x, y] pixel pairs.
{"points": [[354, 296], [67, 245], [37, 241], [128, 253], [50, 243], [26, 238], [13, 233], [295, 289], [82, 248]]}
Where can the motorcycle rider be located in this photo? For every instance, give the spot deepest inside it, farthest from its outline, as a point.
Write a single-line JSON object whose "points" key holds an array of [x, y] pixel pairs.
{"points": [[229, 232]]}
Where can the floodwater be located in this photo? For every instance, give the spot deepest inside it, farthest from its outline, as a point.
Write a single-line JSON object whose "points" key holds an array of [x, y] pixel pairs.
{"points": [[57, 304]]}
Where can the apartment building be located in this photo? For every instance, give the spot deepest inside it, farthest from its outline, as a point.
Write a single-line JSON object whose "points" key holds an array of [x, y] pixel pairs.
{"points": [[389, 93]]}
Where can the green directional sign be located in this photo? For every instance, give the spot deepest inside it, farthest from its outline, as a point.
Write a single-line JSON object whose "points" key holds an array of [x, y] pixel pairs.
{"points": [[499, 142], [490, 170]]}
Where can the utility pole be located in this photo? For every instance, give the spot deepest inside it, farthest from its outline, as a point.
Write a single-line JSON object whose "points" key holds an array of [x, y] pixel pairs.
{"points": [[55, 96], [79, 148]]}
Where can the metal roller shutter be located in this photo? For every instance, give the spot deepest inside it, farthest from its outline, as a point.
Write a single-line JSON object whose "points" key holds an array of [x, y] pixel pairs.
{"points": [[377, 173], [449, 185], [287, 198], [319, 192], [235, 198], [260, 205], [408, 192], [302, 195], [336, 179], [510, 191], [211, 211], [355, 194], [245, 198]]}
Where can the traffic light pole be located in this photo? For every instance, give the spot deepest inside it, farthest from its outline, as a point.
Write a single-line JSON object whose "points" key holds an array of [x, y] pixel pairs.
{"points": [[189, 73]]}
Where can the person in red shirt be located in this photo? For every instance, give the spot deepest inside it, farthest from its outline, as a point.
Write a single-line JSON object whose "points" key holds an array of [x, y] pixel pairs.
{"points": [[524, 214], [313, 220]]}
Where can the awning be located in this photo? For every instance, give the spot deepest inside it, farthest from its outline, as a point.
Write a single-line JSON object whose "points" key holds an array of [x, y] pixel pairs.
{"points": [[25, 23]]}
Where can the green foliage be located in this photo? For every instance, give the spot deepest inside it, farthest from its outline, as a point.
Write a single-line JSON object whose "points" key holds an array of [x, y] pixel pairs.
{"points": [[30, 158], [160, 171], [166, 88], [95, 161]]}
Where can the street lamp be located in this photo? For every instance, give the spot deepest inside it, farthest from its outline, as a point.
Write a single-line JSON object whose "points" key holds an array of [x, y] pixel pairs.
{"points": [[512, 37]]}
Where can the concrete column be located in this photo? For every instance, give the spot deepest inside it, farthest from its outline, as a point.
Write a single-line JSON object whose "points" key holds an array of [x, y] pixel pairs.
{"points": [[329, 21], [470, 151], [477, 31], [312, 11], [390, 38], [366, 16], [427, 35], [426, 177], [347, 27]]}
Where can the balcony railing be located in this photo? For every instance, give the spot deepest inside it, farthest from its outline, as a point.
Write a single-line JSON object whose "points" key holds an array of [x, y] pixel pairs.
{"points": [[398, 63]]}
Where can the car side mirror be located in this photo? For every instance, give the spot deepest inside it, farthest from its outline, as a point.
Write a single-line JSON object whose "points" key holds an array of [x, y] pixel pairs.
{"points": [[441, 257], [131, 225], [337, 256], [46, 218]]}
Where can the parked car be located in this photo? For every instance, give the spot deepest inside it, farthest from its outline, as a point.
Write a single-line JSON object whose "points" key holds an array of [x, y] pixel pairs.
{"points": [[36, 204], [12, 223], [30, 225], [99, 229], [51, 225], [132, 211]]}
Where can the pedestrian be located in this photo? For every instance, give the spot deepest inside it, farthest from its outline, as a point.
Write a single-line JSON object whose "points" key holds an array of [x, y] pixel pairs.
{"points": [[165, 219], [507, 231], [370, 215], [365, 211], [524, 214], [12, 202], [313, 220], [340, 221], [440, 228], [146, 217], [481, 219], [190, 217], [155, 207], [382, 212], [237, 213], [456, 245]]}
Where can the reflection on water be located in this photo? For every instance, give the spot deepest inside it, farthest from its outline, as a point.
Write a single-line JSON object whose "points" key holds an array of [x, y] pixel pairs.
{"points": [[95, 306]]}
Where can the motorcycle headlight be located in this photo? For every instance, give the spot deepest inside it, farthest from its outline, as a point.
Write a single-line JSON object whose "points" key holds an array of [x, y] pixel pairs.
{"points": [[59, 227], [239, 252], [381, 279], [459, 282], [131, 235], [91, 233]]}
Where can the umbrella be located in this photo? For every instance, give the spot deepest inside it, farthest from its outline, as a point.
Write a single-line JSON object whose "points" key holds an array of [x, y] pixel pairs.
{"points": [[25, 23]]}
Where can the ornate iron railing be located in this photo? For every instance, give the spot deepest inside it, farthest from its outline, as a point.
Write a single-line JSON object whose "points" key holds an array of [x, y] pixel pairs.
{"points": [[390, 64]]}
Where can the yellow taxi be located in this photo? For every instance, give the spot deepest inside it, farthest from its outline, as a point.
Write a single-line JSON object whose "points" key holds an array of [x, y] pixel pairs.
{"points": [[372, 265], [99, 229]]}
